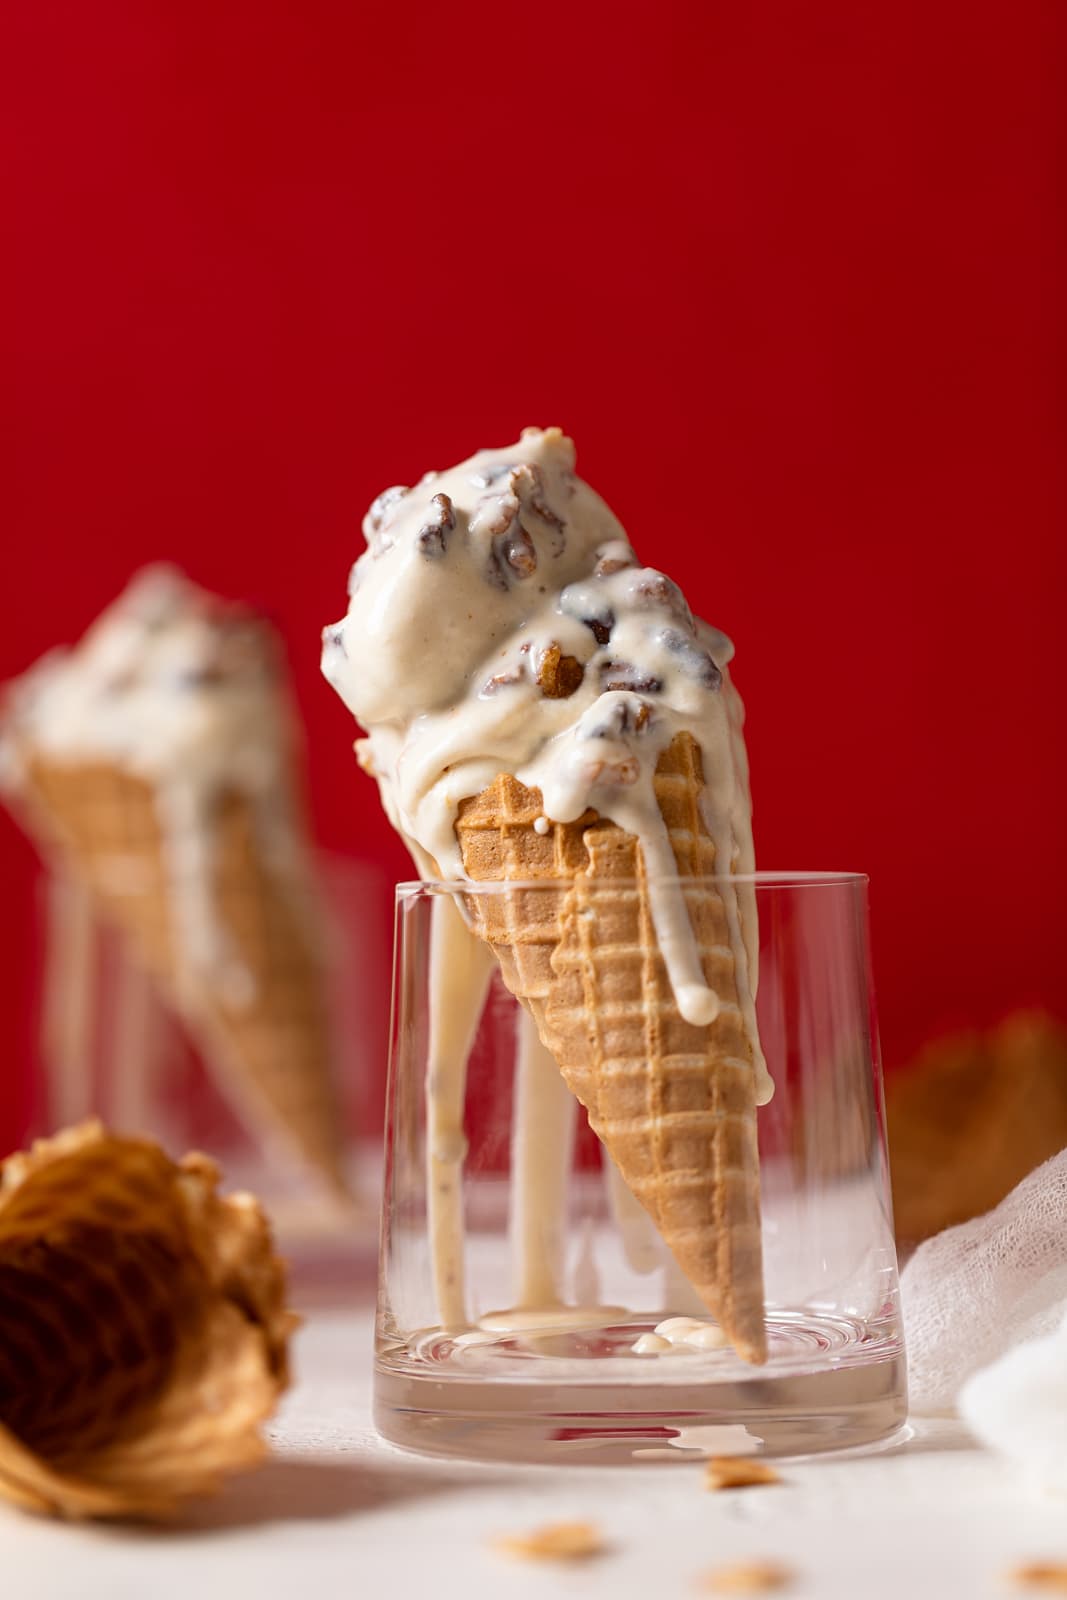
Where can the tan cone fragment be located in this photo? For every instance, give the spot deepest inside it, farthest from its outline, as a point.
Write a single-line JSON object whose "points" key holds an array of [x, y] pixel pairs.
{"points": [[272, 1045], [143, 1329], [673, 1104]]}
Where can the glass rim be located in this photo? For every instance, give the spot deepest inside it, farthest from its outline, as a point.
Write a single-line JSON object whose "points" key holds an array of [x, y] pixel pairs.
{"points": [[413, 887]]}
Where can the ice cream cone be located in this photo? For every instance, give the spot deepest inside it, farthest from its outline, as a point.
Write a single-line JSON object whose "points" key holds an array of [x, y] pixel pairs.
{"points": [[156, 763], [143, 1329], [501, 628], [261, 1017], [674, 1104]]}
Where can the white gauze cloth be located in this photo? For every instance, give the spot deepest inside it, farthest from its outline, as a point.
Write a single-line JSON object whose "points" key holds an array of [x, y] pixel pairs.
{"points": [[990, 1298], [1019, 1407]]}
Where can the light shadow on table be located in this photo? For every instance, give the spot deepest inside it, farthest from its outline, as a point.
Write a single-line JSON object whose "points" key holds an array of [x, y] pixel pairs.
{"points": [[294, 1490]]}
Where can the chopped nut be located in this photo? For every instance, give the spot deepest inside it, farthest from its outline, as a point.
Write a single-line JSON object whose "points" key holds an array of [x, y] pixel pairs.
{"points": [[205, 677], [615, 556], [380, 515], [505, 544], [433, 536], [123, 680], [654, 590], [494, 515], [559, 676], [381, 507], [516, 549], [499, 680], [747, 1577], [620, 773], [625, 715], [1048, 1576], [624, 675], [559, 1541], [527, 484], [333, 638], [738, 1472], [692, 659], [588, 602]]}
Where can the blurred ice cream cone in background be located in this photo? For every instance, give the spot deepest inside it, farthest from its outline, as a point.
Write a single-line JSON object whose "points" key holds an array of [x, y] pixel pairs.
{"points": [[155, 765]]}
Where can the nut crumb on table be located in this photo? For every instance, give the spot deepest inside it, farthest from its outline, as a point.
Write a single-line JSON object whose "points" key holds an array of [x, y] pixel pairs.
{"points": [[1048, 1576], [738, 1472], [558, 1541], [747, 1577]]}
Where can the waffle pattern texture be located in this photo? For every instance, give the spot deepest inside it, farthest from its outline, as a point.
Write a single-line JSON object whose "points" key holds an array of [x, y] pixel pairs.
{"points": [[673, 1104], [271, 1046], [143, 1328]]}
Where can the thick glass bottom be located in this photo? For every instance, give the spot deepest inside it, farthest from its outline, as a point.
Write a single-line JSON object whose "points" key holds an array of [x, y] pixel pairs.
{"points": [[583, 1396]]}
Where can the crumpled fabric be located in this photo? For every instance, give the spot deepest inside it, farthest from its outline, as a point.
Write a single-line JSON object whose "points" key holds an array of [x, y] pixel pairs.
{"points": [[1019, 1407], [990, 1297]]}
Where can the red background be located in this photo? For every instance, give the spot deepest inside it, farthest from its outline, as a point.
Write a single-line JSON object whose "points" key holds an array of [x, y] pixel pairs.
{"points": [[792, 276]]}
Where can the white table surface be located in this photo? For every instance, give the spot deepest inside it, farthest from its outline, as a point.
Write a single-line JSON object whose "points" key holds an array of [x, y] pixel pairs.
{"points": [[339, 1513]]}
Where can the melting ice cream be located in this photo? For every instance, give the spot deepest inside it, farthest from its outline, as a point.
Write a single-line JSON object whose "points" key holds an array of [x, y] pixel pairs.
{"points": [[499, 620], [540, 705]]}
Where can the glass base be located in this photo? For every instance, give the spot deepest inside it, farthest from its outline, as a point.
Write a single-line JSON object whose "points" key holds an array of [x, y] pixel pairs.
{"points": [[582, 1395]]}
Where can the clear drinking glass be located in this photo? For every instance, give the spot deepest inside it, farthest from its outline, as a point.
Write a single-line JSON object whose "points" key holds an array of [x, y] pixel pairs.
{"points": [[109, 1043], [497, 1196]]}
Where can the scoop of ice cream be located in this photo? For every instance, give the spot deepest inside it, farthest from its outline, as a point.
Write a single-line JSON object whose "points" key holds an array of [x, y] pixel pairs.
{"points": [[183, 692], [453, 570], [500, 621], [167, 679]]}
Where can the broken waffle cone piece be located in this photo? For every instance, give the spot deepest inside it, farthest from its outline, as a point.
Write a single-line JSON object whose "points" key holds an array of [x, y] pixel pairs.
{"points": [[738, 1472], [143, 1328], [262, 1023], [559, 1541], [674, 1104], [1046, 1577], [748, 1577]]}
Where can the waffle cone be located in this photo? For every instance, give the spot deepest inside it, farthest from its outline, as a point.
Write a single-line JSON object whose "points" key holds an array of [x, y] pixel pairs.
{"points": [[271, 1043], [143, 1329], [673, 1104]]}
